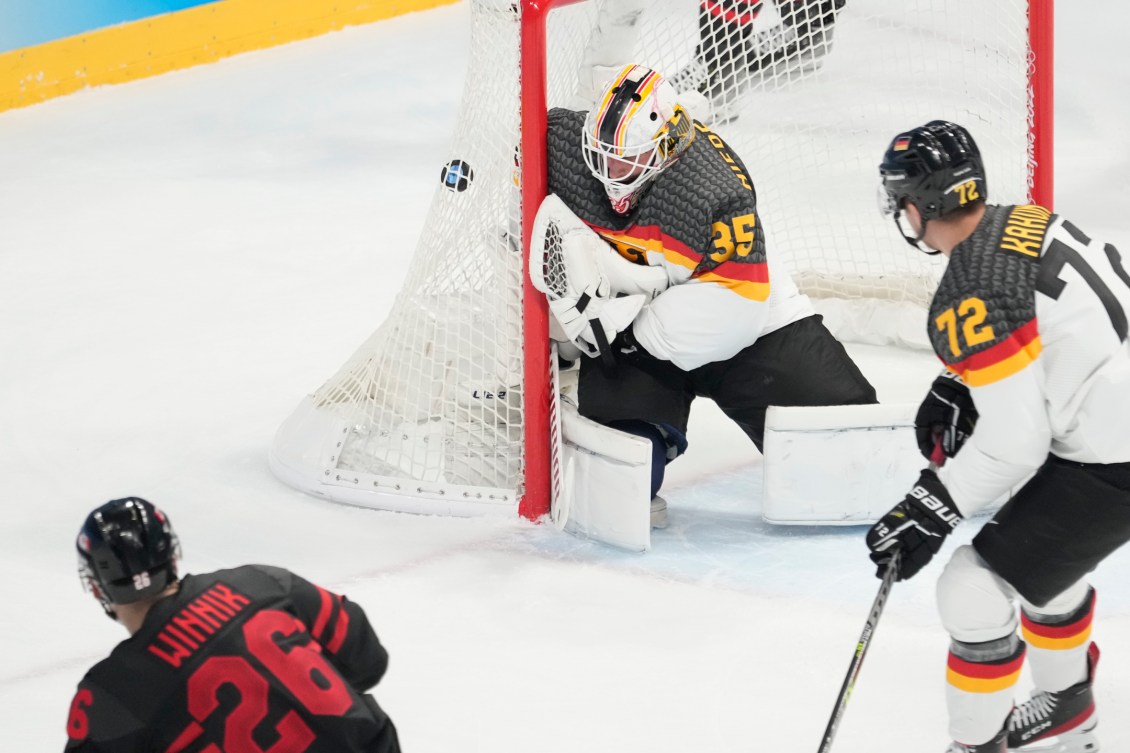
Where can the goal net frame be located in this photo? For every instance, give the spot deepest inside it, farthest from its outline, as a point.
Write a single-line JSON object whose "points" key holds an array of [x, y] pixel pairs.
{"points": [[308, 445]]}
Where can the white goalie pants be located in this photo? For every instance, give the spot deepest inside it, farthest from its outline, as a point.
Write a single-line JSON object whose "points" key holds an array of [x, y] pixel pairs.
{"points": [[979, 611]]}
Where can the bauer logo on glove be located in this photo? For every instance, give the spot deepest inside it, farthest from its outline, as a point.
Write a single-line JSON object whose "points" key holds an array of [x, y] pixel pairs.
{"points": [[940, 509], [917, 527]]}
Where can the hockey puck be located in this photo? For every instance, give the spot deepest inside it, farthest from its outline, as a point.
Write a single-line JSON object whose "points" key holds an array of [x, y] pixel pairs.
{"points": [[456, 175]]}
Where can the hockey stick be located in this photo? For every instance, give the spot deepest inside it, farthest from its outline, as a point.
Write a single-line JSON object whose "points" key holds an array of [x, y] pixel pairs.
{"points": [[861, 651]]}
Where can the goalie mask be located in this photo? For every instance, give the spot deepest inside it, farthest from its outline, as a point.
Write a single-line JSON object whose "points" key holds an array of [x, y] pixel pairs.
{"points": [[937, 167], [127, 551], [635, 132]]}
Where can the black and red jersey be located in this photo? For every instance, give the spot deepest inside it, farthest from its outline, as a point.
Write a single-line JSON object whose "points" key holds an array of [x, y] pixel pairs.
{"points": [[246, 660]]}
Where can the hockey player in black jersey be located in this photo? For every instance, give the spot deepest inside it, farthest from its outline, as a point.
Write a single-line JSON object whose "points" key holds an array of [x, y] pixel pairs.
{"points": [[1031, 314], [244, 660], [731, 56], [686, 299], [738, 47]]}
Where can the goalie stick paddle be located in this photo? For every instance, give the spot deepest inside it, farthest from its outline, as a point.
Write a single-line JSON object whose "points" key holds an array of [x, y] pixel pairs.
{"points": [[861, 651]]}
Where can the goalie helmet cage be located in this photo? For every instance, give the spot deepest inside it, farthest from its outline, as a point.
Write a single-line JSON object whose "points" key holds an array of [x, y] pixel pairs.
{"points": [[447, 408]]}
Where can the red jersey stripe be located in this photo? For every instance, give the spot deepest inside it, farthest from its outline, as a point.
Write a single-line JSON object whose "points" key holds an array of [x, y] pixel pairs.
{"points": [[758, 272], [1010, 346], [340, 630], [323, 613]]}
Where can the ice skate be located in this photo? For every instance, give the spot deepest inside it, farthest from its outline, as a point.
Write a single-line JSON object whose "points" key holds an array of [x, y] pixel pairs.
{"points": [[691, 76], [1060, 722], [721, 92], [724, 70]]}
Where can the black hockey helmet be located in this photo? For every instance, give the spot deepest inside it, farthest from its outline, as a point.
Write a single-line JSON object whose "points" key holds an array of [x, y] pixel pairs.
{"points": [[127, 551], [937, 167]]}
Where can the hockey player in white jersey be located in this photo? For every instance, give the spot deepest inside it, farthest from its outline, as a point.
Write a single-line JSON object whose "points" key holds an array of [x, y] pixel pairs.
{"points": [[685, 299], [1031, 313]]}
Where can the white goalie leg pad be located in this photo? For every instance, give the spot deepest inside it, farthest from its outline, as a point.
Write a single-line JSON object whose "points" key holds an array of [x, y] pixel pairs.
{"points": [[606, 490], [837, 464], [840, 464]]}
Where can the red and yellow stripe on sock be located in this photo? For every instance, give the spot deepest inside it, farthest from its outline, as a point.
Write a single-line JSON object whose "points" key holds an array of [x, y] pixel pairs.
{"points": [[985, 677], [1072, 631]]}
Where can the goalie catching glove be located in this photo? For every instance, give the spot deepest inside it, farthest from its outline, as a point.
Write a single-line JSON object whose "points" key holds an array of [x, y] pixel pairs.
{"points": [[917, 526], [594, 293], [592, 320], [945, 419]]}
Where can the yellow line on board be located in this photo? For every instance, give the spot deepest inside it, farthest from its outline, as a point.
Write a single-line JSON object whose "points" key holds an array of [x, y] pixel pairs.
{"points": [[203, 34]]}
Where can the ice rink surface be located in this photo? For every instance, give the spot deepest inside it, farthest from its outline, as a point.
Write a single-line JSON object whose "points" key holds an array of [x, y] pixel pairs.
{"points": [[182, 258]]}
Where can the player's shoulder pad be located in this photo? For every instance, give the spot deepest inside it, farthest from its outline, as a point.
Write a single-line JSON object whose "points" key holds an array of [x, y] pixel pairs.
{"points": [[255, 582], [564, 123], [708, 142], [707, 185], [279, 575], [706, 177], [569, 177], [982, 320]]}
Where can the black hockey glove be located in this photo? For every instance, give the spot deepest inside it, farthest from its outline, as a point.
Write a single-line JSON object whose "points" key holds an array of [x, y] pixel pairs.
{"points": [[627, 349], [946, 417], [917, 526]]}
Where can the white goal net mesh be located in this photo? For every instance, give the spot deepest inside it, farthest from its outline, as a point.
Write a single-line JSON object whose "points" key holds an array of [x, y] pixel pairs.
{"points": [[428, 415]]}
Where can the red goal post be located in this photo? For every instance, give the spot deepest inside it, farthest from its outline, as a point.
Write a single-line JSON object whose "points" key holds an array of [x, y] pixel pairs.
{"points": [[434, 414]]}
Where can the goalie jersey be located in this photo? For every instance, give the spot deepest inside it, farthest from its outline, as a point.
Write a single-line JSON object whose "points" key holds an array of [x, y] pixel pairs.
{"points": [[252, 658], [699, 223], [1032, 314]]}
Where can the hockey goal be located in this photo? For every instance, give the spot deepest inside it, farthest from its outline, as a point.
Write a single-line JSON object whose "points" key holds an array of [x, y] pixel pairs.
{"points": [[446, 408]]}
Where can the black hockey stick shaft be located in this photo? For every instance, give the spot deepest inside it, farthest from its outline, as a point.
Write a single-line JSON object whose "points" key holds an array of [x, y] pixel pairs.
{"points": [[861, 651]]}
